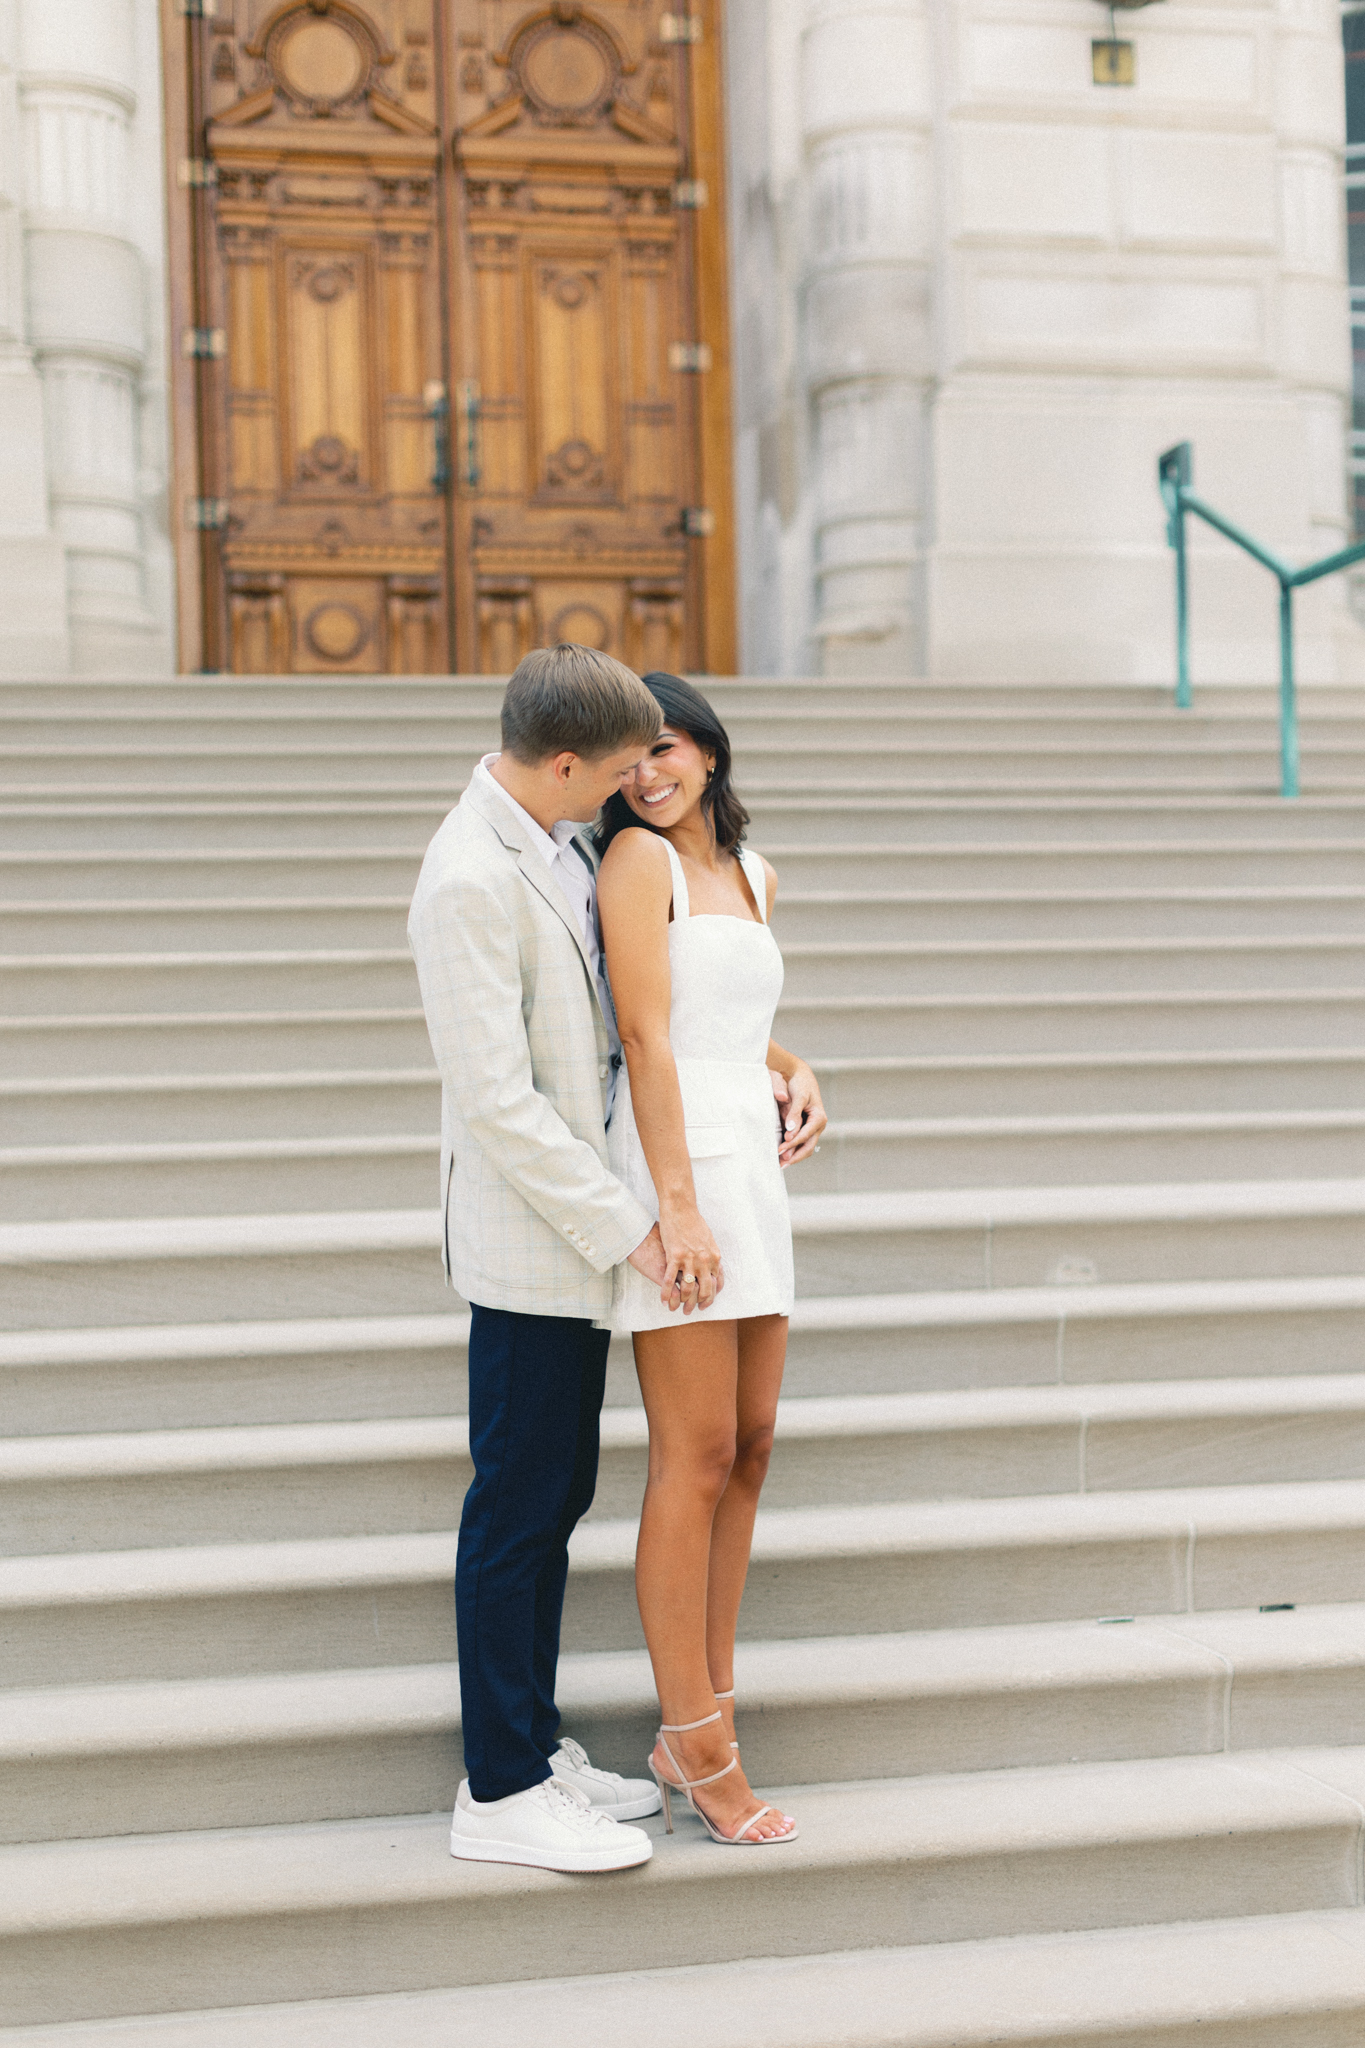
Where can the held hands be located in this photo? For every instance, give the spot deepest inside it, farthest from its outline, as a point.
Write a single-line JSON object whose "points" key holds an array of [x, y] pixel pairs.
{"points": [[693, 1274], [703, 1269], [801, 1113]]}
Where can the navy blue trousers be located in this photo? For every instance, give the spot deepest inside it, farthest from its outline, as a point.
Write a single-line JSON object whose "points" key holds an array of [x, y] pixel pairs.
{"points": [[535, 1401]]}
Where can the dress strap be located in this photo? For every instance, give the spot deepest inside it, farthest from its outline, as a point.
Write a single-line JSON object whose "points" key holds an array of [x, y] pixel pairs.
{"points": [[758, 884], [682, 908]]}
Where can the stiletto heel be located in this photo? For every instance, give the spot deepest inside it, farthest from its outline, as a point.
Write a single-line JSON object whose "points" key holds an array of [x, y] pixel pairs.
{"points": [[741, 1838]]}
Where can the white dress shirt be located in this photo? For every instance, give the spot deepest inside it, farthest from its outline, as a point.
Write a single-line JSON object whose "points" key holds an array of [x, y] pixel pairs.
{"points": [[576, 878]]}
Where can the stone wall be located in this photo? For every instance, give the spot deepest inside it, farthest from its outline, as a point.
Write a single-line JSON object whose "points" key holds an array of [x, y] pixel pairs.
{"points": [[84, 550], [976, 294]]}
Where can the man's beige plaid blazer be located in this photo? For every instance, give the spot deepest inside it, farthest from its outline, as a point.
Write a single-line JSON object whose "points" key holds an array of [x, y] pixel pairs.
{"points": [[534, 1221]]}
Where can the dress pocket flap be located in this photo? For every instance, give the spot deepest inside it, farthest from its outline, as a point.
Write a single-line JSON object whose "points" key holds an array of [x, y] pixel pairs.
{"points": [[710, 1141]]}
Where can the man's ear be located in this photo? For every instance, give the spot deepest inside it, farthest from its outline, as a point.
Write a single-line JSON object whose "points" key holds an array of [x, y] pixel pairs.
{"points": [[564, 765]]}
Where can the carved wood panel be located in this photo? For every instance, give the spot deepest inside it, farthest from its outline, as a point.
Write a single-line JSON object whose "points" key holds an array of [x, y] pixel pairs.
{"points": [[494, 200], [320, 315], [576, 325]]}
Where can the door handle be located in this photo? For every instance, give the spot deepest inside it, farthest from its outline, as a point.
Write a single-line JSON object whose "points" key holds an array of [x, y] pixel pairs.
{"points": [[471, 409], [438, 412]]}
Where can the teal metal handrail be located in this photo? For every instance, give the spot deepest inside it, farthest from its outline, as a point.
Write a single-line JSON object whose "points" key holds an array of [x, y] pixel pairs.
{"points": [[1174, 470]]}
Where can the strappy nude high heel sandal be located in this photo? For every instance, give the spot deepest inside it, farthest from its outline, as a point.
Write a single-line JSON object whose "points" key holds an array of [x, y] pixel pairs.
{"points": [[729, 1696], [741, 1838]]}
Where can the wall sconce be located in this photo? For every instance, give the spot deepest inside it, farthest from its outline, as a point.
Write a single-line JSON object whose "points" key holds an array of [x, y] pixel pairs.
{"points": [[1112, 60]]}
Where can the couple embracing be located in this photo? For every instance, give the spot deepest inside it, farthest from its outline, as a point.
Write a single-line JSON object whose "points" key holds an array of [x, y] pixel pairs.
{"points": [[611, 1161]]}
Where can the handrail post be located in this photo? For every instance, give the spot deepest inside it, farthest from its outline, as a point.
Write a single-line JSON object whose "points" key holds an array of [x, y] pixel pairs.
{"points": [[1289, 718], [1175, 470]]}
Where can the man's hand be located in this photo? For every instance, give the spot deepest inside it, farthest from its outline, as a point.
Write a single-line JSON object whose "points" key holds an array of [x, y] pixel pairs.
{"points": [[803, 1115], [650, 1258]]}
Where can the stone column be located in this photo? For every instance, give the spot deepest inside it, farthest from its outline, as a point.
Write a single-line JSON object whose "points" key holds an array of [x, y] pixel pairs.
{"points": [[87, 310], [33, 636], [867, 99]]}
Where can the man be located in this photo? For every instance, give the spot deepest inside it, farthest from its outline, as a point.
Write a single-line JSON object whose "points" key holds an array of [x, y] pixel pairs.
{"points": [[504, 931]]}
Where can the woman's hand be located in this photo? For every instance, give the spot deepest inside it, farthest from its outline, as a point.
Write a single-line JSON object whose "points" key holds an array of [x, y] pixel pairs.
{"points": [[693, 1275], [803, 1116]]}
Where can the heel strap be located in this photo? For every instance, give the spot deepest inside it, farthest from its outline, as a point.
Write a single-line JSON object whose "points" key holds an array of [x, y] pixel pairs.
{"points": [[685, 1727], [683, 1783], [726, 1695]]}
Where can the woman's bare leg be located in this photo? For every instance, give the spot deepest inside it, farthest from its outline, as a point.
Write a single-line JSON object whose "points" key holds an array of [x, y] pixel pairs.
{"points": [[762, 1354], [688, 1378]]}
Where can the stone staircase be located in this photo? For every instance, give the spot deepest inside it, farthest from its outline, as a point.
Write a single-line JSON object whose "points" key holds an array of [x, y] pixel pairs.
{"points": [[1055, 1634]]}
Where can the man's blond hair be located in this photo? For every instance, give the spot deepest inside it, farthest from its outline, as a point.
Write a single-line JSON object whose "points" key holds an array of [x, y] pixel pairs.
{"points": [[571, 699]]}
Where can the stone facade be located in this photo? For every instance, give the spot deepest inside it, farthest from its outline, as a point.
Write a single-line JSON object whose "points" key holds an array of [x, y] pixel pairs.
{"points": [[977, 293], [85, 561], [974, 294]]}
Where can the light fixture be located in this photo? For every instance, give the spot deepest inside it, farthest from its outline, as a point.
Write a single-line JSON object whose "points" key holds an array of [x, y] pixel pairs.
{"points": [[1112, 60]]}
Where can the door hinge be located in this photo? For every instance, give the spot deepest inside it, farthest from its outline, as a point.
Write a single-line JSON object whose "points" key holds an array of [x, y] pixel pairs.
{"points": [[697, 521], [689, 355], [690, 193], [203, 341], [196, 170], [680, 28], [209, 515]]}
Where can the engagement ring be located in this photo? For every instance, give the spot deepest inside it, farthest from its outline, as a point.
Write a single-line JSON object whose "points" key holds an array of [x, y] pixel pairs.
{"points": [[688, 1280]]}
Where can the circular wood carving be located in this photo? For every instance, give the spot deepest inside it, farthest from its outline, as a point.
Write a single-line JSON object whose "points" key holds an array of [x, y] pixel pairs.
{"points": [[335, 632], [322, 59], [583, 624], [567, 71], [328, 283]]}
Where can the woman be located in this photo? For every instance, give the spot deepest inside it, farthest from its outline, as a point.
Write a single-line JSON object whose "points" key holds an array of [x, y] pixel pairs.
{"points": [[696, 975]]}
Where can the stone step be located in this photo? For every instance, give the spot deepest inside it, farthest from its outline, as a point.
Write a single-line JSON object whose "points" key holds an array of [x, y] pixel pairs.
{"points": [[382, 696], [869, 914], [802, 918], [180, 1754], [849, 764], [294, 1481], [171, 1376], [201, 1611], [134, 1924], [1051, 1084], [1064, 1241], [1077, 814], [882, 754], [364, 821], [1295, 1980], [346, 977], [164, 1047], [1079, 1022], [151, 1109], [1190, 874], [154, 1108], [1076, 1028], [475, 726], [857, 1156], [268, 1175]]}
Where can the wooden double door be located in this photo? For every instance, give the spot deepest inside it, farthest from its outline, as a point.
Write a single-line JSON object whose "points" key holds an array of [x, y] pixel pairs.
{"points": [[451, 367]]}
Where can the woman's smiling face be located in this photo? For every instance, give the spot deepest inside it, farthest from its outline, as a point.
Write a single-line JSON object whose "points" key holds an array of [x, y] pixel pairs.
{"points": [[669, 782]]}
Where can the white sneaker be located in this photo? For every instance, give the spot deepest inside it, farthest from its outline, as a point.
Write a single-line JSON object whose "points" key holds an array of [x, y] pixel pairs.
{"points": [[622, 1798], [553, 1826]]}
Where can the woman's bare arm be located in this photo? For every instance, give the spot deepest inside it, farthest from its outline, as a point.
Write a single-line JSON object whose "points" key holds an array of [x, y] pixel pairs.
{"points": [[634, 890]]}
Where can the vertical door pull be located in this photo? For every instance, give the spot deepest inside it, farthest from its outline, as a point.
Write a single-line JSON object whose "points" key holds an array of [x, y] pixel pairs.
{"points": [[471, 410]]}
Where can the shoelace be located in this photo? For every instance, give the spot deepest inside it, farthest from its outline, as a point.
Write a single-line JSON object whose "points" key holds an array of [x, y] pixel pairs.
{"points": [[580, 1810], [577, 1757]]}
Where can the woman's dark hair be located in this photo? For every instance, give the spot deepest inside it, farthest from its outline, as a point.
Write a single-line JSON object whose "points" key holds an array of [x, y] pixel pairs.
{"points": [[686, 710]]}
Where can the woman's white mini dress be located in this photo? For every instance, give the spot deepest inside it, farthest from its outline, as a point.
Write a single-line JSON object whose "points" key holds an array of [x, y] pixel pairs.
{"points": [[727, 977]]}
